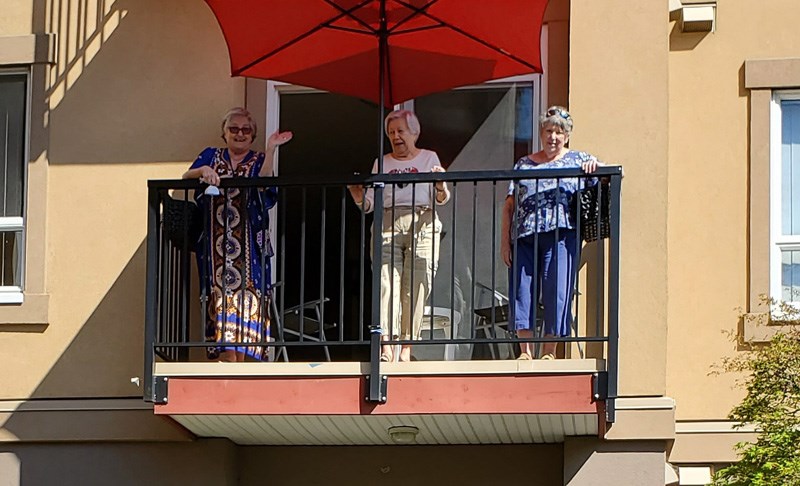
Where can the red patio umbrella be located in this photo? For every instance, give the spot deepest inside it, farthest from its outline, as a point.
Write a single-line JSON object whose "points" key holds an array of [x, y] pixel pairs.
{"points": [[417, 46]]}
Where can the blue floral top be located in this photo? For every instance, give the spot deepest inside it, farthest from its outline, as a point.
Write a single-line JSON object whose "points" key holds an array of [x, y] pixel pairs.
{"points": [[545, 204]]}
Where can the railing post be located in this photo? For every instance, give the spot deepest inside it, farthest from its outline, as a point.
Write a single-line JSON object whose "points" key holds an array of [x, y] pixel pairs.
{"points": [[377, 383], [151, 291], [613, 296]]}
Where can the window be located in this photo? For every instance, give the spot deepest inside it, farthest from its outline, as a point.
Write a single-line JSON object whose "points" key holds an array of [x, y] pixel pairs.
{"points": [[13, 141], [785, 197]]}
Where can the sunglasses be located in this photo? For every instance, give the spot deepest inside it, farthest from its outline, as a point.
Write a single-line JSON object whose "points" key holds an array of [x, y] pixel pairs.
{"points": [[245, 130], [558, 112]]}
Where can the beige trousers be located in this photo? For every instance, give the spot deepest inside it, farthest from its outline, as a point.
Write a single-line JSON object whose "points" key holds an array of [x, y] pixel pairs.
{"points": [[409, 247]]}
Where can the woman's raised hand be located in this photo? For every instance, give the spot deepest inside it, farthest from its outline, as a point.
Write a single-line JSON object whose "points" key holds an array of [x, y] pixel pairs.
{"points": [[278, 138]]}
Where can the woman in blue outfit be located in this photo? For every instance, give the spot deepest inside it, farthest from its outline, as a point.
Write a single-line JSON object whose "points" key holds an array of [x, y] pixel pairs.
{"points": [[234, 252], [545, 235]]}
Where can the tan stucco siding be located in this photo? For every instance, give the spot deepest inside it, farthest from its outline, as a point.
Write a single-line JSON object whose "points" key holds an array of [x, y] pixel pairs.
{"points": [[136, 92], [618, 96], [711, 194]]}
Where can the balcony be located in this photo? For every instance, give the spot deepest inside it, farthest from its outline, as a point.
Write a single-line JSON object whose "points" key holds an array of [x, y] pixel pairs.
{"points": [[322, 381]]}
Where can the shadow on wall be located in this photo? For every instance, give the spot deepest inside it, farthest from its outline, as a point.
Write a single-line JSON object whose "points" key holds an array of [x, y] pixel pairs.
{"points": [[99, 363], [135, 81], [538, 464], [108, 349], [205, 462], [684, 41]]}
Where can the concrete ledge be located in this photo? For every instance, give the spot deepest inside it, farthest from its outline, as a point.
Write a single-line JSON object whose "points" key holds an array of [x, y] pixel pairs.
{"points": [[759, 329], [117, 420], [34, 310], [28, 49], [561, 366], [645, 403], [708, 442], [772, 73], [74, 405], [643, 418]]}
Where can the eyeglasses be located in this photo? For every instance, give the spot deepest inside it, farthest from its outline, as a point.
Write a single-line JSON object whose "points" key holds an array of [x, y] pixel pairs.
{"points": [[245, 130], [558, 112]]}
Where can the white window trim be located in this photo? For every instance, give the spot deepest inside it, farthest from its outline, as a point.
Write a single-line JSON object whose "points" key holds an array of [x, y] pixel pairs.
{"points": [[778, 241]]}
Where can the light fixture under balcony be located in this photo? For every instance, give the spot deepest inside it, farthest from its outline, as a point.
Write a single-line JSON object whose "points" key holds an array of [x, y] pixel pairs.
{"points": [[403, 434]]}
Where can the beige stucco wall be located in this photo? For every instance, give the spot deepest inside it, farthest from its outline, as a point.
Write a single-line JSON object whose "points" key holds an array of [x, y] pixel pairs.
{"points": [[219, 462], [557, 21], [618, 72], [208, 462], [710, 194], [591, 462], [15, 18], [137, 92]]}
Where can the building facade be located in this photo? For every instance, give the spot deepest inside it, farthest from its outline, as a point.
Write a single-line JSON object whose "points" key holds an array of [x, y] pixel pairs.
{"points": [[697, 101]]}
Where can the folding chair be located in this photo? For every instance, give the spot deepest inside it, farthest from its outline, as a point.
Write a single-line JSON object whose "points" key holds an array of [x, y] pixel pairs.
{"points": [[313, 328], [500, 307]]}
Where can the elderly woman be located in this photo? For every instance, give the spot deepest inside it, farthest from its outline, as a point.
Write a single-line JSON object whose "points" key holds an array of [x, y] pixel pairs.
{"points": [[410, 232], [233, 256], [545, 234]]}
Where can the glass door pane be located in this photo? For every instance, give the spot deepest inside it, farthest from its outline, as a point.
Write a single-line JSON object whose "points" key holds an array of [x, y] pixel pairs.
{"points": [[790, 167], [480, 128]]}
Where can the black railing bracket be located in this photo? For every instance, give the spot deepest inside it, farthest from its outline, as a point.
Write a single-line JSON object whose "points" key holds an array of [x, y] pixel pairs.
{"points": [[160, 389]]}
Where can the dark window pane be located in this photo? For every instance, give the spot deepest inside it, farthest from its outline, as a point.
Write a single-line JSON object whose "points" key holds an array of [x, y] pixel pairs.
{"points": [[10, 258], [12, 143]]}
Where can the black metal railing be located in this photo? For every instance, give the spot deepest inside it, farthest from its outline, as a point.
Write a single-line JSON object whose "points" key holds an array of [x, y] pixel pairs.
{"points": [[323, 301]]}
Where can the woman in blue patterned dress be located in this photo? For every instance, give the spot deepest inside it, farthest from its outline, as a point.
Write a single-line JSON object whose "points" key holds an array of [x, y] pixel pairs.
{"points": [[545, 235], [234, 254]]}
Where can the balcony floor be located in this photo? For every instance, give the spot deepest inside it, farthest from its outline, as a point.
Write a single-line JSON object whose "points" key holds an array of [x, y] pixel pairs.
{"points": [[450, 402]]}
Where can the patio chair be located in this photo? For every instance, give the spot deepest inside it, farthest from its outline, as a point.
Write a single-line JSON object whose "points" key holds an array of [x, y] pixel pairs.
{"points": [[288, 324]]}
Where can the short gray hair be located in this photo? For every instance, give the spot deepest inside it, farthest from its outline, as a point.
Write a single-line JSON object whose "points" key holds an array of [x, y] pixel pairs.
{"points": [[411, 120], [239, 111], [556, 116]]}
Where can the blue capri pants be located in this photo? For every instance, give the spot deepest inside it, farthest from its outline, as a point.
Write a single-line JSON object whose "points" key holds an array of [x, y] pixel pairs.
{"points": [[554, 261]]}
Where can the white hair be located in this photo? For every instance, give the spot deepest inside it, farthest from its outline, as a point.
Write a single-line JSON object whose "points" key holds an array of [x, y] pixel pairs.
{"points": [[411, 120]]}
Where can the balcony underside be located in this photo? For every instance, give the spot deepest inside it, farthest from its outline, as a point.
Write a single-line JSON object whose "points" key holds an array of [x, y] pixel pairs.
{"points": [[489, 402]]}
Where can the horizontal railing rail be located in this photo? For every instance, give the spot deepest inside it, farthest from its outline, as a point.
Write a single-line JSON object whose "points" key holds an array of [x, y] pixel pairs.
{"points": [[371, 179], [317, 289]]}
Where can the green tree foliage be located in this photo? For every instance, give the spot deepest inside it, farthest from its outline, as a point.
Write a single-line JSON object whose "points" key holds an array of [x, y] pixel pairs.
{"points": [[772, 405]]}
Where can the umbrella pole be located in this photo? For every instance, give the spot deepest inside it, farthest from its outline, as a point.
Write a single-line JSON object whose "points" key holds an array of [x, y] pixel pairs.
{"points": [[377, 383]]}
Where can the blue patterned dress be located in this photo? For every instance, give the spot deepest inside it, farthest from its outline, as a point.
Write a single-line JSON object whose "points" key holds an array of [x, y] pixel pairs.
{"points": [[234, 256]]}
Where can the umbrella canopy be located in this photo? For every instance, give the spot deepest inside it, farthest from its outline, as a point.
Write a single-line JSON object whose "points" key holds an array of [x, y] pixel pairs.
{"points": [[401, 48]]}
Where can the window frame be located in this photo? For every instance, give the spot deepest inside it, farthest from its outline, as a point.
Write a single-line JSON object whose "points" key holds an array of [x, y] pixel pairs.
{"points": [[13, 294], [778, 241]]}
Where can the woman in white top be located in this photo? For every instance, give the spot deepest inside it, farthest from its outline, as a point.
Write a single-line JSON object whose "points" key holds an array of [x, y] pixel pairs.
{"points": [[409, 225]]}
